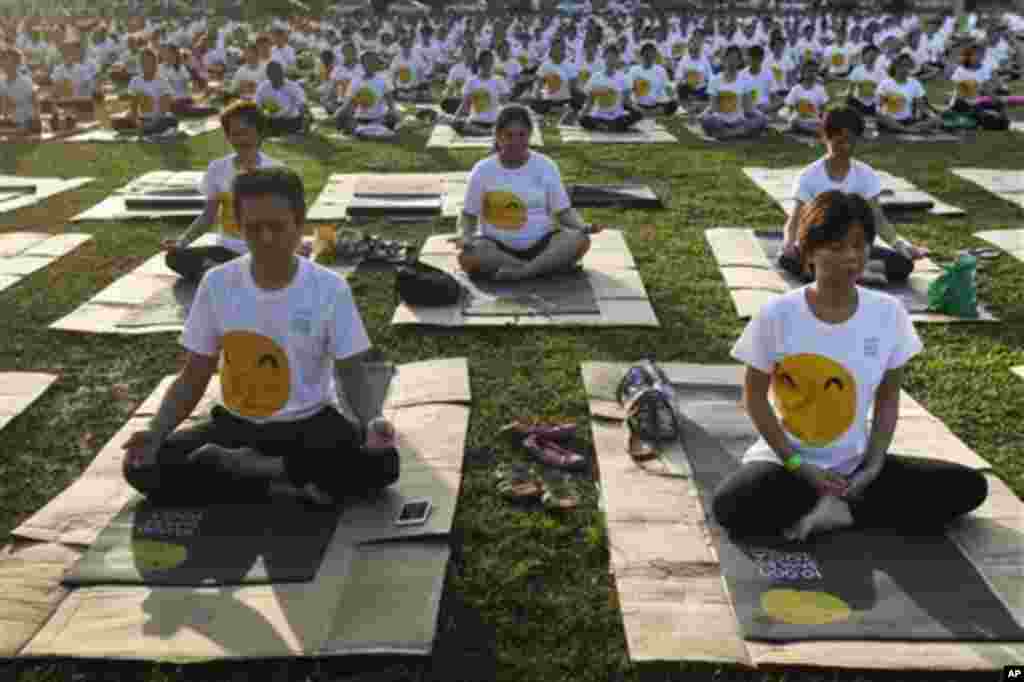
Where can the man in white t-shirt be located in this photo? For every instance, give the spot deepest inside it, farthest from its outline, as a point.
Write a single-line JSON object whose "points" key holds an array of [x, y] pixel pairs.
{"points": [[249, 75], [17, 95], [279, 327]]}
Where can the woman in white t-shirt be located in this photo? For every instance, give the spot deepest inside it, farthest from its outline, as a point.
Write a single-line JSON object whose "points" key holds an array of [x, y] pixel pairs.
{"points": [[517, 222], [693, 72], [243, 124], [281, 331], [903, 106], [458, 75], [345, 71], [652, 92], [18, 104], [824, 366], [151, 100], [972, 81], [410, 73], [807, 101], [482, 98], [731, 111], [609, 105], [249, 75], [838, 170], [862, 94]]}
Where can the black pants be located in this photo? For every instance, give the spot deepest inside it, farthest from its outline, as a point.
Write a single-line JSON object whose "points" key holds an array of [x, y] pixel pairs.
{"points": [[543, 106], [276, 127], [685, 92], [193, 262], [763, 498], [450, 105], [159, 125], [467, 127], [618, 125], [670, 108], [325, 449], [897, 266]]}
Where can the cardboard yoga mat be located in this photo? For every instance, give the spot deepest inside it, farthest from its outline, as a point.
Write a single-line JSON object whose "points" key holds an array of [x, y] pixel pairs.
{"points": [[561, 294], [897, 194], [152, 196], [390, 194], [668, 575], [444, 137], [148, 300], [620, 294], [646, 131], [375, 592], [1010, 241], [1008, 185], [1019, 371], [186, 128], [44, 189], [22, 253], [18, 390], [613, 196], [747, 261]]}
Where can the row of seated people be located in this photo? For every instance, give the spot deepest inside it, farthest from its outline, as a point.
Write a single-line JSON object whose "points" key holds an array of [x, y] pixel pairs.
{"points": [[280, 325]]}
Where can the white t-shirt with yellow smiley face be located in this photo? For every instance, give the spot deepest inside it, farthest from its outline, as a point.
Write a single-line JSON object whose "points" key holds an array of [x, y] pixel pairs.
{"points": [[514, 205]]}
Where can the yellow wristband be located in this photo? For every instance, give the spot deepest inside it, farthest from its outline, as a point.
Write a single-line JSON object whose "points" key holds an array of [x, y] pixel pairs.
{"points": [[793, 463]]}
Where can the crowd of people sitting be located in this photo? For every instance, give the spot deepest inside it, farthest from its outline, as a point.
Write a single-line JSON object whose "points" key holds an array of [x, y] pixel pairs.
{"points": [[602, 71], [261, 304]]}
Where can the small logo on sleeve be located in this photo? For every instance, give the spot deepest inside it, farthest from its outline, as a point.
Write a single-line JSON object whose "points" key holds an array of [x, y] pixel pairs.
{"points": [[871, 347]]}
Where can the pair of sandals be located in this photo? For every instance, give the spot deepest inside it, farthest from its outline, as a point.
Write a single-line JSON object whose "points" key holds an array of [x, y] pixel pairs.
{"points": [[544, 441], [646, 394]]}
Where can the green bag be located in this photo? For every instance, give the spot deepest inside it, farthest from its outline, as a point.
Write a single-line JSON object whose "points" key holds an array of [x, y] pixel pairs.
{"points": [[952, 120], [955, 291]]}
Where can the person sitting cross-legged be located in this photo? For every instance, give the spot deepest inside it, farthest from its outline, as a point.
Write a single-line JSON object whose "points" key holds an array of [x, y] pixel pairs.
{"points": [[824, 365], [243, 124], [609, 104], [284, 102], [517, 222], [841, 130], [278, 325]]}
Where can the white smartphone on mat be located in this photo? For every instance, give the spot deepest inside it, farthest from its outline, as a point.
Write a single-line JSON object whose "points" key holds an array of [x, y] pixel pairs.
{"points": [[414, 512]]}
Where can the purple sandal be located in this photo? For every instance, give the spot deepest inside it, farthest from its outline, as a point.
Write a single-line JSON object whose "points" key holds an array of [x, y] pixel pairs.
{"points": [[561, 431]]}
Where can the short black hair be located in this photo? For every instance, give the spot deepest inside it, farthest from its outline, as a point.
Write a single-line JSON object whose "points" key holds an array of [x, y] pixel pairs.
{"points": [[514, 114], [756, 52], [828, 218], [842, 118], [278, 181]]}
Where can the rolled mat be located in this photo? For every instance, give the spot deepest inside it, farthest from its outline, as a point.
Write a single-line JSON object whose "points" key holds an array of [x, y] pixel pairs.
{"points": [[618, 196], [854, 584]]}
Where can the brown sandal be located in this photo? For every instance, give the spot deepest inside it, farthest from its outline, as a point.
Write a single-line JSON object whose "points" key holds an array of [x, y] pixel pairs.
{"points": [[517, 483]]}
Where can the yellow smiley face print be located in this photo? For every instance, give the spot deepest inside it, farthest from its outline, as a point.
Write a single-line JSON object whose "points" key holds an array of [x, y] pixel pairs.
{"points": [[404, 74], [894, 104], [364, 98], [694, 78], [481, 100], [838, 59], [728, 102], [967, 89], [777, 73], [816, 396], [641, 87], [806, 108], [552, 83], [505, 210], [256, 376], [605, 98], [583, 77]]}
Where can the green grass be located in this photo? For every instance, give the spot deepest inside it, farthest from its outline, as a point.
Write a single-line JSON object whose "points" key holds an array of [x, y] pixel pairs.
{"points": [[529, 596]]}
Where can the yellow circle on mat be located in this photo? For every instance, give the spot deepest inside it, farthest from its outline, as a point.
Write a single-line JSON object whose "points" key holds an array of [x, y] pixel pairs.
{"points": [[800, 607], [153, 555], [816, 396]]}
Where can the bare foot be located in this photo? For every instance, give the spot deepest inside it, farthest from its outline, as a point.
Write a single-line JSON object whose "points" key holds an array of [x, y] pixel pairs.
{"points": [[831, 513]]}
